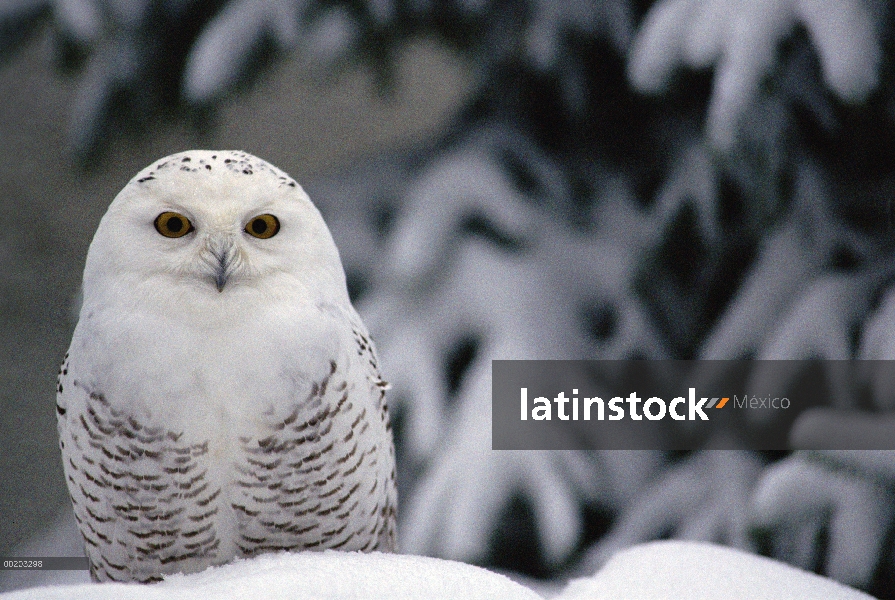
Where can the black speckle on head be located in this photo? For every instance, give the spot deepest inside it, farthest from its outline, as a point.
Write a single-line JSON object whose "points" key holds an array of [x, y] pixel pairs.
{"points": [[186, 159], [214, 157], [247, 171], [208, 167], [291, 184], [228, 160], [142, 179]]}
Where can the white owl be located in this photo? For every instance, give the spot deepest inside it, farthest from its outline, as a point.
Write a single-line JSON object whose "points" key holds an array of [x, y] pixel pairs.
{"points": [[221, 397]]}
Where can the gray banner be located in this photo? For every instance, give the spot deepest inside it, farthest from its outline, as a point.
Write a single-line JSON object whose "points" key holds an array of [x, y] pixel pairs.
{"points": [[689, 405], [43, 563]]}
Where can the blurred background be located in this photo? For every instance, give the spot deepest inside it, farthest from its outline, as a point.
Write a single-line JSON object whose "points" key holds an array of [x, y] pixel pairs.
{"points": [[505, 179]]}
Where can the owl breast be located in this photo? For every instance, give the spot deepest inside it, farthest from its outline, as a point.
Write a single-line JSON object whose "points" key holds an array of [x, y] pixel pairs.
{"points": [[282, 461]]}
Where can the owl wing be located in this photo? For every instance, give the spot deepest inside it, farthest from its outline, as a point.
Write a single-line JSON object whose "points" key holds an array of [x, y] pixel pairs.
{"points": [[139, 493], [322, 473]]}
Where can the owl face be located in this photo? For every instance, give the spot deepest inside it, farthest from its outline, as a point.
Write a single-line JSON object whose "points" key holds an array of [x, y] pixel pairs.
{"points": [[223, 224]]}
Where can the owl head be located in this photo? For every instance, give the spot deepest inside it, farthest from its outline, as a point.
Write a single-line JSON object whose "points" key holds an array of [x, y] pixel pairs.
{"points": [[212, 228]]}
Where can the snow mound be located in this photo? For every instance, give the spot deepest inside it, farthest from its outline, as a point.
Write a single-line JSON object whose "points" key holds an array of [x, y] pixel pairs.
{"points": [[676, 570], [326, 575], [668, 570]]}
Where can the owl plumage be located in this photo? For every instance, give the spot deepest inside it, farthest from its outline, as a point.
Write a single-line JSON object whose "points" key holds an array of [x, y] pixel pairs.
{"points": [[221, 397]]}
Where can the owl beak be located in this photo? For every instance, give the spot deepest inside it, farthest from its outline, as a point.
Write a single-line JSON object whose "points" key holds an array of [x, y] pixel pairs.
{"points": [[220, 279], [224, 256]]}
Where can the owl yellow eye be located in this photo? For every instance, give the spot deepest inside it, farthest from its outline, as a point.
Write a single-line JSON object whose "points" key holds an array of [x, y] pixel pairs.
{"points": [[173, 225], [263, 226]]}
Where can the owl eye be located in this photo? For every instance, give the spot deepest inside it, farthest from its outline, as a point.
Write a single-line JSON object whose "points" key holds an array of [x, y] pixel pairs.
{"points": [[173, 225], [263, 226]]}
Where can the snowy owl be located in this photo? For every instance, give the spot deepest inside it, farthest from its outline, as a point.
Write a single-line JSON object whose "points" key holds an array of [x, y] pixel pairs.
{"points": [[221, 397]]}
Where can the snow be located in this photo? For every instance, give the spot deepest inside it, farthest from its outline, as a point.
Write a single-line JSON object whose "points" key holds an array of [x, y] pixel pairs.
{"points": [[740, 37], [807, 493], [320, 575], [220, 54], [443, 281], [693, 571], [668, 570], [699, 498]]}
